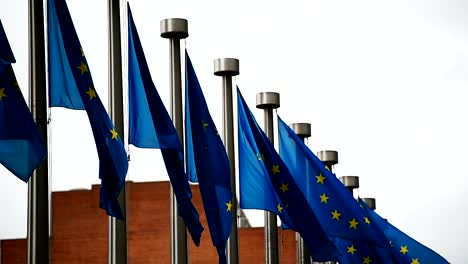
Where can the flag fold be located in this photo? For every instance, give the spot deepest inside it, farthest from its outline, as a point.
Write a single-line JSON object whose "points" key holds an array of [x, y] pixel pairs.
{"points": [[207, 161], [71, 86], [266, 184], [21, 147], [151, 127]]}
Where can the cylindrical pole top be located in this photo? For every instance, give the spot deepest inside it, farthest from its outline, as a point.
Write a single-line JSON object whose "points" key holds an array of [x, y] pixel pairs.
{"points": [[226, 67], [370, 202], [350, 182], [328, 157], [268, 100], [176, 28], [301, 129]]}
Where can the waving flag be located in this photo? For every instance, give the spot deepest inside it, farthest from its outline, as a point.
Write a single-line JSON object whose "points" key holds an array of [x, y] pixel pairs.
{"points": [[151, 127], [21, 146], [404, 248], [334, 206], [71, 86], [267, 184], [207, 161]]}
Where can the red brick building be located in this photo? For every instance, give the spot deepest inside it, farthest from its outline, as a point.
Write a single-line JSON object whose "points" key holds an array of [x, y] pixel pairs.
{"points": [[79, 230]]}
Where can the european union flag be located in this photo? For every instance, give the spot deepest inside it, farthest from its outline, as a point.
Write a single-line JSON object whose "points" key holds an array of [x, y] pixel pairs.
{"points": [[404, 249], [266, 184], [359, 252], [21, 147], [207, 161], [71, 86], [334, 206], [151, 127]]}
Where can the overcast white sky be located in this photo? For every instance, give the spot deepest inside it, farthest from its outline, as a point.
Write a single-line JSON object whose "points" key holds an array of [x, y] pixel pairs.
{"points": [[384, 84]]}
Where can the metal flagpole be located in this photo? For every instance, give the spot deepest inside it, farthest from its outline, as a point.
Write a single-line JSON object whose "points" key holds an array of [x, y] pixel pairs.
{"points": [[228, 67], [269, 101], [117, 245], [302, 253], [370, 202], [350, 182], [329, 158], [38, 185], [176, 29]]}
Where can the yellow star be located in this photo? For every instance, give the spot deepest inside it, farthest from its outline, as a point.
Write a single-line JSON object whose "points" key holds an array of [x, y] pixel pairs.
{"points": [[2, 93], [205, 125], [83, 68], [326, 167], [404, 250], [275, 169], [320, 178], [115, 135], [415, 261], [92, 93], [323, 198], [353, 223], [366, 219], [351, 249], [336, 215], [82, 52], [284, 187], [280, 209], [366, 260], [229, 206]]}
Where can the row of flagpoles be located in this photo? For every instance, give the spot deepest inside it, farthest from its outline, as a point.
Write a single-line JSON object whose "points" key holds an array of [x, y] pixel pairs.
{"points": [[295, 185]]}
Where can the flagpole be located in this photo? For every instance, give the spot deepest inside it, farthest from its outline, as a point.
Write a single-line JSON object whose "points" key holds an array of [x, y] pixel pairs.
{"points": [[228, 67], [370, 202], [302, 252], [330, 159], [176, 29], [117, 245], [38, 185], [350, 182], [269, 101]]}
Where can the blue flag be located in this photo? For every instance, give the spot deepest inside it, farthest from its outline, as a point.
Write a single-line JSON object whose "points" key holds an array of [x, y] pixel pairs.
{"points": [[404, 249], [334, 206], [151, 127], [71, 86], [207, 161], [266, 184], [21, 147], [6, 54]]}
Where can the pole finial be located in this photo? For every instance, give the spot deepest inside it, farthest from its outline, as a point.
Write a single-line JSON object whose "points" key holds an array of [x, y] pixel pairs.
{"points": [[268, 100], [226, 67], [350, 182], [301, 129], [176, 28]]}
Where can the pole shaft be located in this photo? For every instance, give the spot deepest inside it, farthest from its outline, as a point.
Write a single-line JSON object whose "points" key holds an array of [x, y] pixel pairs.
{"points": [[178, 233], [271, 227], [302, 252], [117, 251], [38, 185], [228, 138]]}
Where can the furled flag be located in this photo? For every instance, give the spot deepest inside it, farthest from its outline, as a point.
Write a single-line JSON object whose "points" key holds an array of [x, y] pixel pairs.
{"points": [[334, 206], [207, 161], [21, 147], [71, 86], [404, 249], [266, 184], [151, 127]]}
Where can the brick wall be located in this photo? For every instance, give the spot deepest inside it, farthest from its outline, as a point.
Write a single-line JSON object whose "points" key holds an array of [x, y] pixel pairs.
{"points": [[79, 229]]}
